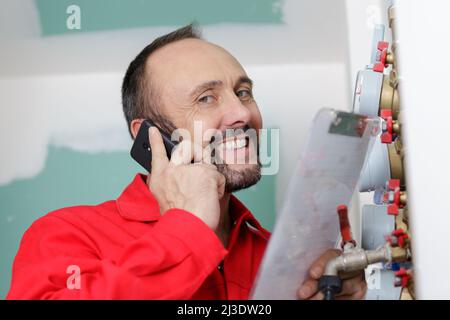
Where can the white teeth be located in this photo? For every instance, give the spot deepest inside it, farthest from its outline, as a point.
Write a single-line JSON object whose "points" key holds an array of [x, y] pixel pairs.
{"points": [[235, 144], [230, 145], [241, 143]]}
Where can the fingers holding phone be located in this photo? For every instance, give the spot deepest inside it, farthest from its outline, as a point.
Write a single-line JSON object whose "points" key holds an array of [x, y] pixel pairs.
{"points": [[159, 159], [177, 183], [187, 152]]}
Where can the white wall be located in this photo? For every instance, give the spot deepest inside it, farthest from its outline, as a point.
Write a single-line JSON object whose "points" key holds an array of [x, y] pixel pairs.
{"points": [[313, 31], [424, 87]]}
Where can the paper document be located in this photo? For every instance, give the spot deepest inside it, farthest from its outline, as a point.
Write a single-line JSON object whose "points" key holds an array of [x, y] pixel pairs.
{"points": [[326, 176]]}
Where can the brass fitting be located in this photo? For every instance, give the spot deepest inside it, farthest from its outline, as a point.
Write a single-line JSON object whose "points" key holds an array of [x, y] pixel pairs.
{"points": [[389, 95], [390, 58], [403, 197], [396, 163], [399, 254], [405, 215]]}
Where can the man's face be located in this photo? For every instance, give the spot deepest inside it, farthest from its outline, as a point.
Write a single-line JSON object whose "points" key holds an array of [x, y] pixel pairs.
{"points": [[196, 82]]}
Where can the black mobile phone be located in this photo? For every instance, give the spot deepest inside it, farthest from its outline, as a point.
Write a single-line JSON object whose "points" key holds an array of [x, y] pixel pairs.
{"points": [[141, 150]]}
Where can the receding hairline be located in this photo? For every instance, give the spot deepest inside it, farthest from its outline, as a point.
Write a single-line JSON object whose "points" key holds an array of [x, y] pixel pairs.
{"points": [[148, 74], [170, 46], [147, 79], [136, 93]]}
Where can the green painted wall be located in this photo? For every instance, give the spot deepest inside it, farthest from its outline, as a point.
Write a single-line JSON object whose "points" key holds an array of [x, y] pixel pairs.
{"points": [[73, 178], [119, 14]]}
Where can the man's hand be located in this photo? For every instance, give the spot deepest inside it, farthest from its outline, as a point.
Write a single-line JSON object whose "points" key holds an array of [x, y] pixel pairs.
{"points": [[177, 183], [353, 287]]}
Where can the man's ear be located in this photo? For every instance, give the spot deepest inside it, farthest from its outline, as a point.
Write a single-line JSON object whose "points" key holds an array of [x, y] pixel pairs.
{"points": [[135, 125]]}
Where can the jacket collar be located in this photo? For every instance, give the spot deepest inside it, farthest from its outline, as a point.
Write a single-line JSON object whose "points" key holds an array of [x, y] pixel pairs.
{"points": [[138, 203]]}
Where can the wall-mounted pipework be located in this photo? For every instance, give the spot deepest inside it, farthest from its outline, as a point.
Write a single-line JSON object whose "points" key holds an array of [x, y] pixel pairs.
{"points": [[355, 259], [385, 223]]}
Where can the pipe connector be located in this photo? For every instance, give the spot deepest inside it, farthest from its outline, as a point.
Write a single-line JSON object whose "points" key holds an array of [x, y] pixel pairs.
{"points": [[357, 259]]}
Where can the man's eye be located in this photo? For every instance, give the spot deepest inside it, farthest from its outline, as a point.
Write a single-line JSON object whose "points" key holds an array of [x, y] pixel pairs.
{"points": [[206, 99], [244, 94]]}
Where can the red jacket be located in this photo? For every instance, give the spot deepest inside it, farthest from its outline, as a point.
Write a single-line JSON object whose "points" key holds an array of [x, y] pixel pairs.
{"points": [[124, 249]]}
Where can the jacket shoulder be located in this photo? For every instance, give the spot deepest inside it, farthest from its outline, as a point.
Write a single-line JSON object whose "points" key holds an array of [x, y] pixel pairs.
{"points": [[73, 217], [83, 211]]}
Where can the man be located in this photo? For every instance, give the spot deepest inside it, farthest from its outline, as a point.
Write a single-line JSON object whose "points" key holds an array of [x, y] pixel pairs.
{"points": [[178, 233]]}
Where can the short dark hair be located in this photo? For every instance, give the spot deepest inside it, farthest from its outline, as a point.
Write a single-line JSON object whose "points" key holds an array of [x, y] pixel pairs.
{"points": [[138, 99]]}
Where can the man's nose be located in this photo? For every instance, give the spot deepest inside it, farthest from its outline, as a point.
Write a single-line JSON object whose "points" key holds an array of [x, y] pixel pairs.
{"points": [[236, 114]]}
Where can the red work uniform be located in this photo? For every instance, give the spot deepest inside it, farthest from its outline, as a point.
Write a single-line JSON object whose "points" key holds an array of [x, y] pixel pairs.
{"points": [[125, 249]]}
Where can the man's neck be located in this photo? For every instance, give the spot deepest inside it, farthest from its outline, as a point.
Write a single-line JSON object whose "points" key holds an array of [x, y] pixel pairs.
{"points": [[223, 230]]}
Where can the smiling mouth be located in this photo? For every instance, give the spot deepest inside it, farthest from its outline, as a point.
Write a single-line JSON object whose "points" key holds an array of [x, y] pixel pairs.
{"points": [[235, 143]]}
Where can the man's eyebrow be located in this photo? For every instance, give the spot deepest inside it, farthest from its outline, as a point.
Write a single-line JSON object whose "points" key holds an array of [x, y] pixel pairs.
{"points": [[205, 86], [244, 79], [218, 83]]}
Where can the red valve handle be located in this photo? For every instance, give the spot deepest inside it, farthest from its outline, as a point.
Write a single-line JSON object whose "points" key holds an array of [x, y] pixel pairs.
{"points": [[397, 238], [388, 133], [403, 278], [393, 206], [344, 223], [382, 47]]}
